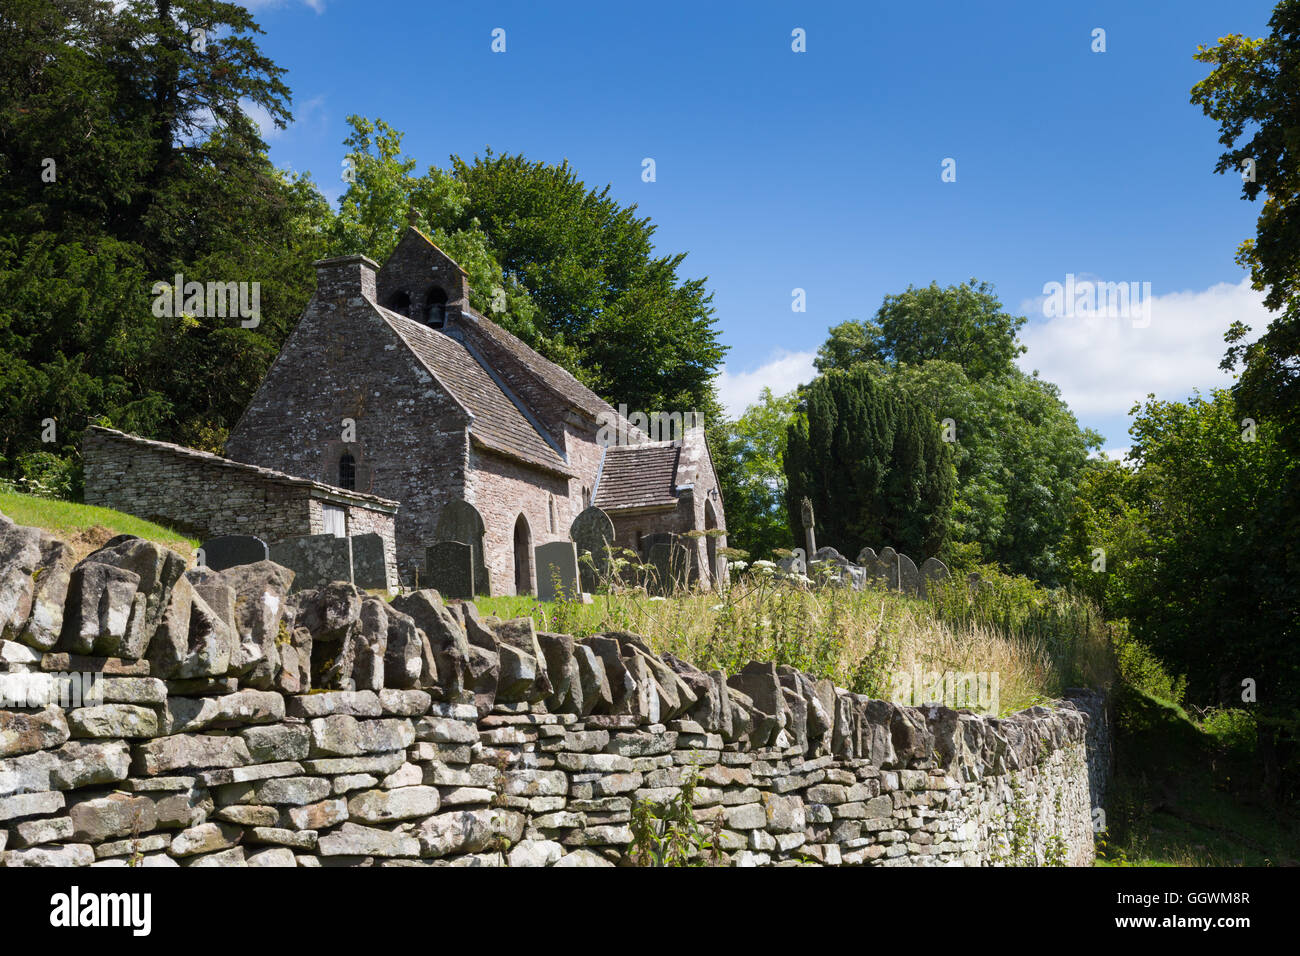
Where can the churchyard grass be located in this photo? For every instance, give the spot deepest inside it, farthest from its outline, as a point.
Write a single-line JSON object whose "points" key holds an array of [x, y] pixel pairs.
{"points": [[872, 642]]}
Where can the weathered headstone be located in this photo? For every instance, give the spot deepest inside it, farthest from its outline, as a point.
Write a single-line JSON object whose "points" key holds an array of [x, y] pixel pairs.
{"points": [[796, 563], [888, 564], [909, 578], [557, 571], [932, 572], [449, 568], [232, 550], [460, 521], [593, 532], [369, 562], [315, 559], [670, 567]]}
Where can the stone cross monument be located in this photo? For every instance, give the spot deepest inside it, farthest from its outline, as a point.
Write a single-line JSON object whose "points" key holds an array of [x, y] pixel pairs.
{"points": [[810, 542]]}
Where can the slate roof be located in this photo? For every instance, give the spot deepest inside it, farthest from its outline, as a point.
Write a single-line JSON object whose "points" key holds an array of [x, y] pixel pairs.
{"points": [[554, 377], [266, 474], [638, 476], [499, 423]]}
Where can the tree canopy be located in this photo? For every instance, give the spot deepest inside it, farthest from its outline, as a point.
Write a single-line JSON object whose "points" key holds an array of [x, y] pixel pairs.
{"points": [[964, 324], [1017, 448]]}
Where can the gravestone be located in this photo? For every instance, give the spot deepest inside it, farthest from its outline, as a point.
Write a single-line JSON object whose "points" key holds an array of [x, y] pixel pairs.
{"points": [[888, 564], [460, 521], [830, 567], [557, 571], [315, 559], [592, 531], [648, 541], [369, 562], [794, 564], [932, 572], [909, 578], [873, 567], [671, 565], [231, 550], [449, 567]]}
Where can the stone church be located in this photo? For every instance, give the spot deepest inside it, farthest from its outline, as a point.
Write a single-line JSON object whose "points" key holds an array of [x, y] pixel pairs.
{"points": [[392, 386]]}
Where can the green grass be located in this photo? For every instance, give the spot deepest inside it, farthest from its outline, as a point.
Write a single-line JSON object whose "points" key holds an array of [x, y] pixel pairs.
{"points": [[75, 522], [1184, 793], [865, 641]]}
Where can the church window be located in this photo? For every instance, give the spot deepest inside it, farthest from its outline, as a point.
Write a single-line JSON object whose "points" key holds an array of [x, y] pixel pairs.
{"points": [[347, 472]]}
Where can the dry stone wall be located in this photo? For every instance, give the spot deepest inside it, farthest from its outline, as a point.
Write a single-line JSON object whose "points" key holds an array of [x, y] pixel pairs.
{"points": [[156, 716]]}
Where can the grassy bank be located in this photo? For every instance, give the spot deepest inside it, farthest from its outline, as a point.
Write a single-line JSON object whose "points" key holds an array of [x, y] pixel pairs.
{"points": [[86, 527]]}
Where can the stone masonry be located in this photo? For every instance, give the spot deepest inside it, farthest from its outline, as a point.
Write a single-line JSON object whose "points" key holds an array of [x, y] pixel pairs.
{"points": [[206, 495], [155, 716]]}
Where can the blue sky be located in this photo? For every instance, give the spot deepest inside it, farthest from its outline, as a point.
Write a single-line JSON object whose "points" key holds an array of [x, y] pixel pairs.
{"points": [[820, 170]]}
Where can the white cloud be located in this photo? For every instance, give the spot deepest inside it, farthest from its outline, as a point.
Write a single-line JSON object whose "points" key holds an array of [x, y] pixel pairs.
{"points": [[1106, 365], [310, 115], [259, 115], [781, 373]]}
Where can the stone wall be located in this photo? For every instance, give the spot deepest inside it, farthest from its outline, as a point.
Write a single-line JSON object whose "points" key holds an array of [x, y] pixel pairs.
{"points": [[206, 495], [161, 717]]}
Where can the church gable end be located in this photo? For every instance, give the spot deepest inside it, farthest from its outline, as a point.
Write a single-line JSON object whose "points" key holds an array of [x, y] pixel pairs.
{"points": [[347, 401]]}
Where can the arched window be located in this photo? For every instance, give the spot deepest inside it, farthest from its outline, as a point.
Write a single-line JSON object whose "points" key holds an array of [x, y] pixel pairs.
{"points": [[436, 312], [347, 471], [554, 522], [400, 302]]}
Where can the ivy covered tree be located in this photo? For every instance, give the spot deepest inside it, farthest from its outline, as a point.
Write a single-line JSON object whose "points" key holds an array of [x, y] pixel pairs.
{"points": [[872, 461]]}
